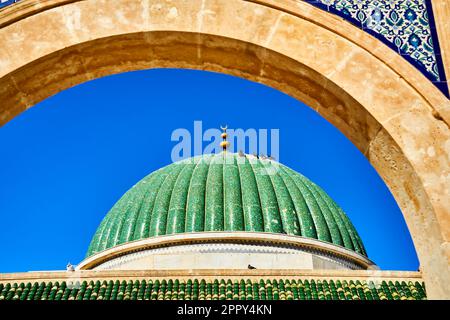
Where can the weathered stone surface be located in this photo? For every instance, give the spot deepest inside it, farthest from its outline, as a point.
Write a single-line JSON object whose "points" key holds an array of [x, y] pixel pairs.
{"points": [[399, 175]]}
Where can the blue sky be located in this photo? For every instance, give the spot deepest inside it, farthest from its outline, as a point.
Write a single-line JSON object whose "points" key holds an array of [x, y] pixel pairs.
{"points": [[66, 161]]}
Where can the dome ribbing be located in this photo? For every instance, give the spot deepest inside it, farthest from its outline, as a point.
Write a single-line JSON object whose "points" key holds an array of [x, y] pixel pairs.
{"points": [[240, 193]]}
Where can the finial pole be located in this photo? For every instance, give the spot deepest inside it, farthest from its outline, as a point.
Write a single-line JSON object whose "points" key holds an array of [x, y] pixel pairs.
{"points": [[224, 144]]}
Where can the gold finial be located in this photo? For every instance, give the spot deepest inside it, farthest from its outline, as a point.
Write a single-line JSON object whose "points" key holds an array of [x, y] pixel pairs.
{"points": [[224, 144]]}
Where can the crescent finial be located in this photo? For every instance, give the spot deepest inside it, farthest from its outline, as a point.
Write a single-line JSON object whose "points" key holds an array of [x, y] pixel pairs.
{"points": [[224, 144]]}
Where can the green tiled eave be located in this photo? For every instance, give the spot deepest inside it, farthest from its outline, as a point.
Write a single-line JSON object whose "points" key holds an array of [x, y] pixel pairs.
{"points": [[225, 192], [214, 289]]}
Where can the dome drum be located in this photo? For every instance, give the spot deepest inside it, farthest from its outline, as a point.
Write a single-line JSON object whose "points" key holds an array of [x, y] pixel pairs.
{"points": [[226, 250]]}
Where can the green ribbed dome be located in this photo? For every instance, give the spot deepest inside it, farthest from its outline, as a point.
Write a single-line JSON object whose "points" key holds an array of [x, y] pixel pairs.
{"points": [[242, 193]]}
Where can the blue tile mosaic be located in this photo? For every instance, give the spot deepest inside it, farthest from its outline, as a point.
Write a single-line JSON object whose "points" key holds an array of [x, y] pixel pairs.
{"points": [[4, 3], [406, 26]]}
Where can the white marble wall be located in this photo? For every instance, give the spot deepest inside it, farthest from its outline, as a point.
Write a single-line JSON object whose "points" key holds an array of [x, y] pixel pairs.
{"points": [[225, 256]]}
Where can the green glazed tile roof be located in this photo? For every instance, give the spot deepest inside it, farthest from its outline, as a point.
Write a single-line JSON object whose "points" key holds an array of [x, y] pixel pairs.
{"points": [[216, 289], [236, 193]]}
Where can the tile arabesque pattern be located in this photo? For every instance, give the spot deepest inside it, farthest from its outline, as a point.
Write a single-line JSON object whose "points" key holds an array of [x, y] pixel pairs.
{"points": [[4, 3], [406, 26]]}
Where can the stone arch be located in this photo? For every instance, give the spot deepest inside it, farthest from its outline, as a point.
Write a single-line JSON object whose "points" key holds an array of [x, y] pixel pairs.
{"points": [[390, 111]]}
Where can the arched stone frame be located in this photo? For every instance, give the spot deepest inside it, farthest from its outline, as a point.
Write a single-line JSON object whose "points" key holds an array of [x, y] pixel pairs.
{"points": [[390, 111]]}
